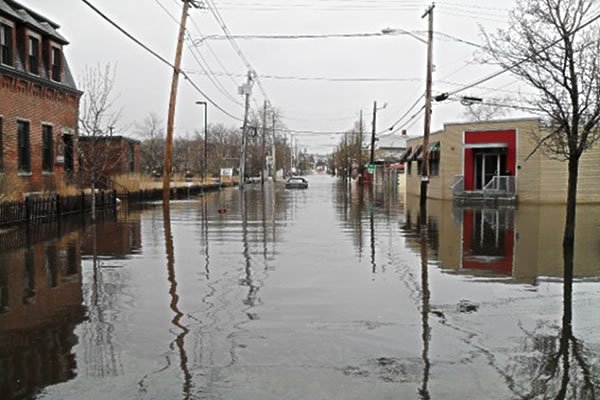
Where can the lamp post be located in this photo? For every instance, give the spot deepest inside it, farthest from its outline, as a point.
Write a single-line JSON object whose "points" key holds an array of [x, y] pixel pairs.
{"points": [[203, 103], [425, 167]]}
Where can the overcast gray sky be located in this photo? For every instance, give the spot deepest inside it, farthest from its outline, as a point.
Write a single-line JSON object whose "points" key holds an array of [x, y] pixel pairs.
{"points": [[330, 105]]}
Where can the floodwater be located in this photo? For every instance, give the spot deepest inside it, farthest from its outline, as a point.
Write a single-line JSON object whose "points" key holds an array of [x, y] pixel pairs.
{"points": [[325, 293]]}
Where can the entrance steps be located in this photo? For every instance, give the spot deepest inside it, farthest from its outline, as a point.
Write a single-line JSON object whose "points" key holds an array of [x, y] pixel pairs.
{"points": [[487, 198]]}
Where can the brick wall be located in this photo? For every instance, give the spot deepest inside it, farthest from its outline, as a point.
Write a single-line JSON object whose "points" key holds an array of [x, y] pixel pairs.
{"points": [[39, 104], [109, 155]]}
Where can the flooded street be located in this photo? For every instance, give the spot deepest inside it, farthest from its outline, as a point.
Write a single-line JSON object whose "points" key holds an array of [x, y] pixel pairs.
{"points": [[324, 293]]}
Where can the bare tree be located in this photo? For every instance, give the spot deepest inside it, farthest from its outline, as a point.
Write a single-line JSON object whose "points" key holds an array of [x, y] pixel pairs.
{"points": [[151, 132], [492, 108], [553, 46], [97, 119]]}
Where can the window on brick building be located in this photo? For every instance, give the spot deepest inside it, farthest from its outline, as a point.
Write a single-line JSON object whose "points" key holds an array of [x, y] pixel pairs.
{"points": [[131, 158], [6, 46], [24, 146], [47, 149], [34, 55], [1, 145], [56, 64]]}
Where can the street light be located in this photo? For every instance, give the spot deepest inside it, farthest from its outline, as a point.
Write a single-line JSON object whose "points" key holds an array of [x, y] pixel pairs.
{"points": [[374, 128], [203, 103], [399, 31]]}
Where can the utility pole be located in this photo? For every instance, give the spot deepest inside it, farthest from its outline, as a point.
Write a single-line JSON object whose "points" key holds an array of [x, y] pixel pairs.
{"points": [[273, 159], [173, 100], [263, 144], [425, 162], [246, 90], [360, 143], [374, 124]]}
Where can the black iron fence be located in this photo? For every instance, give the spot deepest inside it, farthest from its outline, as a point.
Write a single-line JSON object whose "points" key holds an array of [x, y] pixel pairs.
{"points": [[47, 208]]}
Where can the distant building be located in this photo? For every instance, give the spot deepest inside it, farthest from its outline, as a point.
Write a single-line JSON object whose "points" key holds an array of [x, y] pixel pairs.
{"points": [[389, 166], [39, 100], [494, 160], [110, 156]]}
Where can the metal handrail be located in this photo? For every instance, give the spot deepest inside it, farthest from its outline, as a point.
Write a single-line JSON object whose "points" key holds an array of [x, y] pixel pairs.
{"points": [[459, 184], [501, 183]]}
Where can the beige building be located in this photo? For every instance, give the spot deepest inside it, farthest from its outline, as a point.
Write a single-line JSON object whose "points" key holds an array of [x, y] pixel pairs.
{"points": [[494, 158]]}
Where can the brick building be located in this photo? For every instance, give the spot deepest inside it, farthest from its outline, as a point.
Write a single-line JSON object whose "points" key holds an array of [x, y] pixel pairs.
{"points": [[108, 156], [39, 100]]}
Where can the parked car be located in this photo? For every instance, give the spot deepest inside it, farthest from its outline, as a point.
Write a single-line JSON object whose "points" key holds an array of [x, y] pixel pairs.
{"points": [[296, 182]]}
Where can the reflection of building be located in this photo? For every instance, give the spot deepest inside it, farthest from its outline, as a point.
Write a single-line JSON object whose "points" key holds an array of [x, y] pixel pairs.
{"points": [[524, 244], [40, 306], [488, 240], [470, 160], [115, 237]]}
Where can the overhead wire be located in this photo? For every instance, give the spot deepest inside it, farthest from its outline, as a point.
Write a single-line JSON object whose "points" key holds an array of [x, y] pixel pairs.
{"points": [[159, 57], [525, 59], [198, 57], [214, 10]]}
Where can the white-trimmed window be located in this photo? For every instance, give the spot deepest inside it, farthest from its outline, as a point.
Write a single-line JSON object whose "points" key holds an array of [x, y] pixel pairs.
{"points": [[6, 42], [34, 54], [1, 144], [47, 148], [24, 146], [56, 63]]}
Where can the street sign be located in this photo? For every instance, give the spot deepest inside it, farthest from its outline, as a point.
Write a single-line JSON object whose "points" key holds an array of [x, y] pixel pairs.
{"points": [[371, 168]]}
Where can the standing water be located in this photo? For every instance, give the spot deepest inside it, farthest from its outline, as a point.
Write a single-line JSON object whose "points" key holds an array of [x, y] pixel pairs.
{"points": [[324, 293]]}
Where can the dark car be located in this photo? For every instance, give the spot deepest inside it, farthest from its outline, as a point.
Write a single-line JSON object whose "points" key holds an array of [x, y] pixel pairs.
{"points": [[296, 182]]}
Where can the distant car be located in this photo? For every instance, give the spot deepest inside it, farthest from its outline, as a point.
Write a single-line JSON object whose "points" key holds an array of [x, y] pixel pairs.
{"points": [[296, 182]]}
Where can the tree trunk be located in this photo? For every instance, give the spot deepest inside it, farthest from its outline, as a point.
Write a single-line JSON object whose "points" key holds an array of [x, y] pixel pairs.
{"points": [[569, 234], [93, 176]]}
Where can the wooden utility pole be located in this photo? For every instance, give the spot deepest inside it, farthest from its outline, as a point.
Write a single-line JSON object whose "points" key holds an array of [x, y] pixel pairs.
{"points": [[246, 90], [263, 145], [374, 124], [172, 101], [425, 152], [273, 159], [360, 143]]}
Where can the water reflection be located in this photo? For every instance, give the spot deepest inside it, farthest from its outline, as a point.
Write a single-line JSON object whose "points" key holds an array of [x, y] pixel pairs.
{"points": [[40, 306], [335, 286], [520, 245], [179, 341]]}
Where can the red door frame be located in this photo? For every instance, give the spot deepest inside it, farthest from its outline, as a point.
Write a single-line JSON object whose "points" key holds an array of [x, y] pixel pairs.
{"points": [[507, 137]]}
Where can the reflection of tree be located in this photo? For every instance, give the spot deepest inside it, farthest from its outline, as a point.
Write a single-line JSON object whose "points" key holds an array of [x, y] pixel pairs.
{"points": [[101, 354], [559, 365]]}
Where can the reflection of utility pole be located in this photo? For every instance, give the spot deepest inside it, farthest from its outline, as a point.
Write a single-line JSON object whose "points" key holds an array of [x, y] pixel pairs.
{"points": [[425, 162], [360, 143], [425, 308], [273, 159], [245, 90], [263, 144], [173, 100]]}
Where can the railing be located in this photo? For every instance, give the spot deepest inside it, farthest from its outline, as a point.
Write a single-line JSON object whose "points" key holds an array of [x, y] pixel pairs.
{"points": [[459, 185], [501, 184], [33, 209]]}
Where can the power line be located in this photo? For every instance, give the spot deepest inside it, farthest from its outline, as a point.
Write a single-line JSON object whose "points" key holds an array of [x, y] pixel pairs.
{"points": [[519, 62], [209, 74], [324, 78], [158, 56], [213, 9], [290, 36]]}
